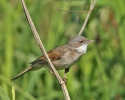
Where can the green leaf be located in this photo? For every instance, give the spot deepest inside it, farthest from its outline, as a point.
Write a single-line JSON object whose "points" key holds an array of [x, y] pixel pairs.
{"points": [[3, 95]]}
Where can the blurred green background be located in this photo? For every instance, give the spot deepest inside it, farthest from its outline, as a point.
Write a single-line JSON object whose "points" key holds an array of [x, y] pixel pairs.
{"points": [[98, 75]]}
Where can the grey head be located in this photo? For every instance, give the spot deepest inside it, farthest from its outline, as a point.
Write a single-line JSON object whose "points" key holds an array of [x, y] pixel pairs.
{"points": [[78, 41]]}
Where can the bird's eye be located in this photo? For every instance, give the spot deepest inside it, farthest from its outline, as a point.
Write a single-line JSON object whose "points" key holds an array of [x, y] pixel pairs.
{"points": [[81, 41]]}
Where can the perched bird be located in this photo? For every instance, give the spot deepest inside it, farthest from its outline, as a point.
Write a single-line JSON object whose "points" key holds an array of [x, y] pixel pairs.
{"points": [[62, 57]]}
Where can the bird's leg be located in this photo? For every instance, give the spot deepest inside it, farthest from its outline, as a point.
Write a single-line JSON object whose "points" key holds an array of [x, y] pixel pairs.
{"points": [[51, 72], [65, 74], [66, 71]]}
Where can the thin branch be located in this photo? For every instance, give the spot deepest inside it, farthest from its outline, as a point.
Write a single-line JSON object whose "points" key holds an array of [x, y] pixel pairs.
{"points": [[87, 17], [65, 91]]}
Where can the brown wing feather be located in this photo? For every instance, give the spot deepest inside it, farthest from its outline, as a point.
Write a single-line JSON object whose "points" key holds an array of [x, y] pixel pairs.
{"points": [[53, 54]]}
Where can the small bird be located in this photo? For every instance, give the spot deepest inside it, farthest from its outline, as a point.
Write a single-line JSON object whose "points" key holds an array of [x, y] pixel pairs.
{"points": [[62, 57]]}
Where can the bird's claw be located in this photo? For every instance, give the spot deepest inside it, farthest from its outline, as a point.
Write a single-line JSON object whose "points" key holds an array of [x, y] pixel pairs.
{"points": [[65, 80]]}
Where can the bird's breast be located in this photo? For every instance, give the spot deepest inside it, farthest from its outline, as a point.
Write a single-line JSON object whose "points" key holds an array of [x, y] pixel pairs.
{"points": [[67, 60]]}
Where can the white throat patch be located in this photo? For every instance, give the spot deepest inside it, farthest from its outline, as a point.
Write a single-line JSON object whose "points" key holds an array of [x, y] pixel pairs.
{"points": [[82, 48]]}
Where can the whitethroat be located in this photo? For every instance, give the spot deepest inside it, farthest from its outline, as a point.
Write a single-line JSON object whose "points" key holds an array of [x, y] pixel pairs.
{"points": [[62, 57]]}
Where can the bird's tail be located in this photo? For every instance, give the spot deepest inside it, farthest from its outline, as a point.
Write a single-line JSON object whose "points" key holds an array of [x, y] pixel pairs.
{"points": [[23, 72]]}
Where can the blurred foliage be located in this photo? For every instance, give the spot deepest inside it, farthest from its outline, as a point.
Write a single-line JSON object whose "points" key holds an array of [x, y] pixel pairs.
{"points": [[3, 95], [98, 75]]}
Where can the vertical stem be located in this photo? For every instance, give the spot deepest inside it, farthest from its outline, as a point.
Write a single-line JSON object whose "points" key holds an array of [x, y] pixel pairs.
{"points": [[39, 42]]}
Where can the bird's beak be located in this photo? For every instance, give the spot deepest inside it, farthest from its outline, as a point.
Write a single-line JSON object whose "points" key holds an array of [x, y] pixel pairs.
{"points": [[91, 41]]}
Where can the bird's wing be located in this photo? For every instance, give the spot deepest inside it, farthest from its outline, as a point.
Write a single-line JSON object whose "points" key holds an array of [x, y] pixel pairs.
{"points": [[54, 54]]}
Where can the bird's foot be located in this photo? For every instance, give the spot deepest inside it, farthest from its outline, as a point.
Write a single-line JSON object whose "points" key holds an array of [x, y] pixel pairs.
{"points": [[51, 72], [65, 80]]}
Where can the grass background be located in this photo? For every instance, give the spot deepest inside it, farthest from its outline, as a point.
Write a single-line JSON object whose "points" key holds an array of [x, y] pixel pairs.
{"points": [[98, 75]]}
